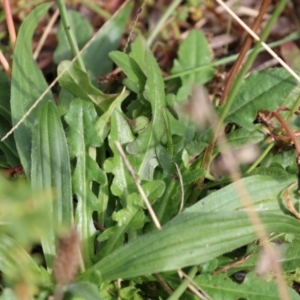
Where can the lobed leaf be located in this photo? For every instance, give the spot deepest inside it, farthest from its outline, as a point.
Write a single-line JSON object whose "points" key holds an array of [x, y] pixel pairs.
{"points": [[152, 135], [82, 136], [193, 52], [264, 90]]}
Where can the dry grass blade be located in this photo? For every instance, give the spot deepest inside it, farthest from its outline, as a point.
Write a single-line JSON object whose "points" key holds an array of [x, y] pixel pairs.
{"points": [[256, 37], [45, 34], [244, 50], [194, 287]]}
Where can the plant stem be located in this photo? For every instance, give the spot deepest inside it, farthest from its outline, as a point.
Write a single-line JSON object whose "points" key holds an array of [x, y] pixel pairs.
{"points": [[261, 157], [69, 33], [162, 21]]}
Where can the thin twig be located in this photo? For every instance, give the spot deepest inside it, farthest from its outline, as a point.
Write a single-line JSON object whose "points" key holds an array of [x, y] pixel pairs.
{"points": [[164, 285], [45, 34], [194, 287], [138, 185], [5, 64], [133, 25]]}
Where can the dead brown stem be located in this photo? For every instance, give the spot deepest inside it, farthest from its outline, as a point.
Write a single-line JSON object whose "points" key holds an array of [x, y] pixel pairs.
{"points": [[245, 48]]}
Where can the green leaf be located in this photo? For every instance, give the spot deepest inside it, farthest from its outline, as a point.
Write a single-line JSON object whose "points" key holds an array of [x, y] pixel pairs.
{"points": [[8, 146], [84, 290], [78, 83], [138, 48], [242, 136], [27, 84], [131, 217], [82, 137], [152, 135], [5, 98], [189, 239], [51, 170], [266, 89], [122, 184], [263, 190], [253, 288], [194, 52], [103, 123], [12, 256], [18, 219], [96, 59], [129, 67], [82, 30]]}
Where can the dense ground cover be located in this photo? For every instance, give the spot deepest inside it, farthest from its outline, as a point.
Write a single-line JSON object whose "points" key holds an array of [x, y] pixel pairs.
{"points": [[149, 150]]}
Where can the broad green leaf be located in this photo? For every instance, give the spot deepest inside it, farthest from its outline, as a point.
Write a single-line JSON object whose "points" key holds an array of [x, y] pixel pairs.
{"points": [[27, 84], [51, 170], [78, 83], [64, 101], [266, 89], [12, 256], [189, 239], [193, 52], [152, 135], [264, 191], [84, 290], [95, 57], [82, 136], [253, 288], [82, 31]]}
